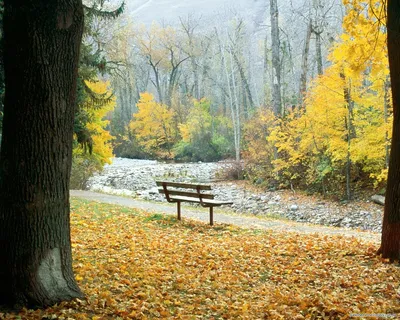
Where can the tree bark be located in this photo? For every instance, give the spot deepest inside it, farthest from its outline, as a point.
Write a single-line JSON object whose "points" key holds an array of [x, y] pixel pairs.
{"points": [[390, 244], [276, 62], [386, 109], [245, 82], [351, 133], [41, 53], [304, 63], [266, 94], [156, 83], [318, 49]]}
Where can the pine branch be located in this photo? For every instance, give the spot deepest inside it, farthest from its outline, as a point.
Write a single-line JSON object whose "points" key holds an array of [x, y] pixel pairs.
{"points": [[96, 100], [106, 14]]}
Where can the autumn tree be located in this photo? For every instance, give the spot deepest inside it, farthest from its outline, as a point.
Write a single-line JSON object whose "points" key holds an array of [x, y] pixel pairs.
{"points": [[93, 100], [41, 51], [340, 136], [93, 62], [390, 245], [90, 156], [153, 126]]}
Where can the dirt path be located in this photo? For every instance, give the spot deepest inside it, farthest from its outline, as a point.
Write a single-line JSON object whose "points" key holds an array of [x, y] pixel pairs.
{"points": [[220, 216]]}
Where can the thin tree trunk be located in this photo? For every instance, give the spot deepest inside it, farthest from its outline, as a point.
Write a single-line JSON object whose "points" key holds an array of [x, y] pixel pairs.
{"points": [[318, 48], [237, 123], [276, 62], [157, 82], [350, 133], [41, 54], [195, 77], [266, 65], [304, 64], [390, 244], [245, 106], [245, 82], [232, 95]]}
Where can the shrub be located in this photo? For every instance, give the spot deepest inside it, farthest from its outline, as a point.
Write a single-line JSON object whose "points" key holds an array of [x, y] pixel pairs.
{"points": [[83, 167], [231, 171]]}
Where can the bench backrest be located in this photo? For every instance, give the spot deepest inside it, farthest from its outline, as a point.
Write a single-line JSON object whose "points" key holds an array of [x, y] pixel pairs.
{"points": [[184, 189]]}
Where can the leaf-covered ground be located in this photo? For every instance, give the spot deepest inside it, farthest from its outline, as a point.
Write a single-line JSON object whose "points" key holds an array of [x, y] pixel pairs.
{"points": [[137, 265]]}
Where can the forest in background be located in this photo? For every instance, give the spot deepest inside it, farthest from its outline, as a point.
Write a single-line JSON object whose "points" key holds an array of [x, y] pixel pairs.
{"points": [[305, 107]]}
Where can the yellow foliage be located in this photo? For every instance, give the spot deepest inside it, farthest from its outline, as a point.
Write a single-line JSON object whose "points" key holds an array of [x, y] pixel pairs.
{"points": [[101, 138], [363, 43], [347, 113], [138, 265], [153, 125], [259, 152]]}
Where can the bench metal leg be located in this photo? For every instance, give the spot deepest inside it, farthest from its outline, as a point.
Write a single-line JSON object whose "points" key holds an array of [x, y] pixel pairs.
{"points": [[178, 206], [211, 216]]}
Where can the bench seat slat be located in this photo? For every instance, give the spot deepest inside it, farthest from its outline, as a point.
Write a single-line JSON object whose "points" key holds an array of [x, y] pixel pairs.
{"points": [[184, 185], [186, 193], [211, 202]]}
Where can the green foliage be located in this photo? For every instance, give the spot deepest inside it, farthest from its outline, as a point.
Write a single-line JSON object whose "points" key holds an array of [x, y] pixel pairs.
{"points": [[97, 10], [203, 135], [129, 148], [84, 166], [198, 150]]}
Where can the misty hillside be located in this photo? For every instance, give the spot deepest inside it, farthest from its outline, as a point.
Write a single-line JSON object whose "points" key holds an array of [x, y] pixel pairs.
{"points": [[293, 17], [169, 11], [255, 12]]}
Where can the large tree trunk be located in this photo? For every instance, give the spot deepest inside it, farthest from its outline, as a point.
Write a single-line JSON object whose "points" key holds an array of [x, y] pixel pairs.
{"points": [[390, 245], [41, 53]]}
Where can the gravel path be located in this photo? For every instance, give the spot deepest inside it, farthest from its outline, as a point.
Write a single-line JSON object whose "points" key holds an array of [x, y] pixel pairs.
{"points": [[221, 216]]}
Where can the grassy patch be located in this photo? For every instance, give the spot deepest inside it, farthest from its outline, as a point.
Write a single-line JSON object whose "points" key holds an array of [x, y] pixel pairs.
{"points": [[162, 220], [138, 265]]}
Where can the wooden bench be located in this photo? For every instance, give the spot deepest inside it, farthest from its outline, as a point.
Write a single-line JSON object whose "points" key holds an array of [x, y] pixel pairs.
{"points": [[188, 192]]}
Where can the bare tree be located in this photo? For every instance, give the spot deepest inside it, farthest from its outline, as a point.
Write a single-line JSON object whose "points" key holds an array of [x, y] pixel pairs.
{"points": [[228, 68], [236, 45]]}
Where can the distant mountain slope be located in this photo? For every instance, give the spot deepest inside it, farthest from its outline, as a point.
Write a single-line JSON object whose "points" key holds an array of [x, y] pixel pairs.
{"points": [[169, 11]]}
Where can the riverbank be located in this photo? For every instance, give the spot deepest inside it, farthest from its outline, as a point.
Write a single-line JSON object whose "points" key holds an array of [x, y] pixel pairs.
{"points": [[136, 178]]}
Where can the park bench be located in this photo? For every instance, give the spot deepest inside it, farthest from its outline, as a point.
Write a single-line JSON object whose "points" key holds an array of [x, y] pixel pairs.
{"points": [[189, 192]]}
